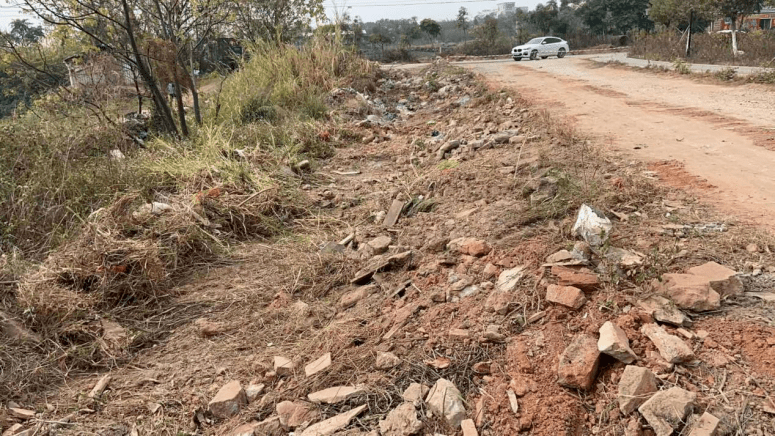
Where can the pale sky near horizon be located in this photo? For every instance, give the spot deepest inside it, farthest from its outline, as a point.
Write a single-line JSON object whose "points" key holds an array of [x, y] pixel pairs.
{"points": [[368, 10]]}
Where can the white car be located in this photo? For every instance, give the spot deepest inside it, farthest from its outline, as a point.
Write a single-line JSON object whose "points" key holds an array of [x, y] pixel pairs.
{"points": [[544, 47]]}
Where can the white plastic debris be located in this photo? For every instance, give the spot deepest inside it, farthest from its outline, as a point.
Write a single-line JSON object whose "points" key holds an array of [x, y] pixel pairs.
{"points": [[592, 225]]}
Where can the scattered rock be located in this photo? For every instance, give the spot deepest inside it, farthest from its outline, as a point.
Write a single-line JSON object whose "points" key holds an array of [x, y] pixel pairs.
{"points": [[445, 401], [469, 428], [401, 421], [334, 424], [636, 385], [667, 410], [23, 414], [208, 329], [663, 310], [581, 278], [459, 334], [690, 291], [392, 215], [380, 244], [509, 279], [350, 299], [253, 391], [415, 393], [335, 394], [560, 256], [493, 335], [320, 364], [706, 425], [283, 366], [482, 367], [513, 402], [624, 258], [592, 225], [722, 279], [565, 295], [228, 401], [579, 362], [375, 265], [490, 271], [387, 360], [613, 342], [295, 414], [671, 348], [470, 246]]}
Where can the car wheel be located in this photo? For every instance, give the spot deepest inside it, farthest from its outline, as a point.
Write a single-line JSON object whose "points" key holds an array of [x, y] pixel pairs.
{"points": [[561, 53], [517, 59], [533, 55], [544, 57]]}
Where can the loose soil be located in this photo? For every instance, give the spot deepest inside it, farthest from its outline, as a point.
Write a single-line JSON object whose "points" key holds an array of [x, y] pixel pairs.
{"points": [[282, 297], [720, 133]]}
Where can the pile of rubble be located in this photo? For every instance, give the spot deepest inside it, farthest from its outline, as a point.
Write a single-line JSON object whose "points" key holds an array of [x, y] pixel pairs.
{"points": [[447, 322]]}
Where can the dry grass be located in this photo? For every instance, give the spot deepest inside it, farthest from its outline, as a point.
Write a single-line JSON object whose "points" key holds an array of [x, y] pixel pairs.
{"points": [[707, 48]]}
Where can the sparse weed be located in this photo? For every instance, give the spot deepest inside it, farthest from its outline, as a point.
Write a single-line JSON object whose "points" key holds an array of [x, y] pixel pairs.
{"points": [[727, 74], [682, 67]]}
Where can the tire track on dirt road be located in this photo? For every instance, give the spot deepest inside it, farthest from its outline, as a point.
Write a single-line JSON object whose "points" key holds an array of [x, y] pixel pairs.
{"points": [[717, 133]]}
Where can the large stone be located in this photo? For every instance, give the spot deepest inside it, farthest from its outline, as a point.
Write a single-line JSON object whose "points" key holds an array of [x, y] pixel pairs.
{"points": [[401, 421], [578, 363], [335, 394], [613, 342], [334, 424], [706, 425], [470, 246], [722, 279], [691, 292], [663, 310], [509, 279], [636, 385], [228, 401], [445, 401], [380, 244], [283, 366], [294, 414], [581, 278], [387, 360], [568, 296], [415, 393], [671, 348], [592, 225], [667, 410], [319, 364]]}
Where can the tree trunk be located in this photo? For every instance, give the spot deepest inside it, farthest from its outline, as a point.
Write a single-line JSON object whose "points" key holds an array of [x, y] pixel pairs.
{"points": [[162, 108], [689, 37], [179, 99], [733, 28]]}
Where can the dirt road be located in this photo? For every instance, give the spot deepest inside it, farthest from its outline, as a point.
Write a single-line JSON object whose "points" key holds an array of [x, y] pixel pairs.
{"points": [[723, 135]]}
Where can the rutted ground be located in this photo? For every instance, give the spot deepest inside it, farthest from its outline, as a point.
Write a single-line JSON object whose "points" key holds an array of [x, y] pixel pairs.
{"points": [[720, 134], [439, 287]]}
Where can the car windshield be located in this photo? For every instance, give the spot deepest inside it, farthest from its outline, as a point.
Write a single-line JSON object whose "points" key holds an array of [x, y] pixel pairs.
{"points": [[535, 41]]}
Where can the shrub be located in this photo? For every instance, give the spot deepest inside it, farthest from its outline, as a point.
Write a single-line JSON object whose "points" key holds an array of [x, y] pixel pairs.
{"points": [[726, 74], [706, 48], [682, 67]]}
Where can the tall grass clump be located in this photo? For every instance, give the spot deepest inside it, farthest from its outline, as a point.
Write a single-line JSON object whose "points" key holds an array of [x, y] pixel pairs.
{"points": [[114, 235], [758, 48], [278, 82]]}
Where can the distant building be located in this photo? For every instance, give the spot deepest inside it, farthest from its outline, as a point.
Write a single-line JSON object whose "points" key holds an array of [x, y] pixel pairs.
{"points": [[506, 8], [88, 71], [761, 21]]}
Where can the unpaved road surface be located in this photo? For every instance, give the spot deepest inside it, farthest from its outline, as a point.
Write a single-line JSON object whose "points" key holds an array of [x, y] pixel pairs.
{"points": [[723, 136]]}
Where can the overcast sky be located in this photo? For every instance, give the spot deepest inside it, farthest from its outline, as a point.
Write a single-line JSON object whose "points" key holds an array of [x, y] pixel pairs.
{"points": [[368, 10]]}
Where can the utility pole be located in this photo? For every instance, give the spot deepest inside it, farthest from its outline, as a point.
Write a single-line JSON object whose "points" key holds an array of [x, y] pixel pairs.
{"points": [[689, 36]]}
